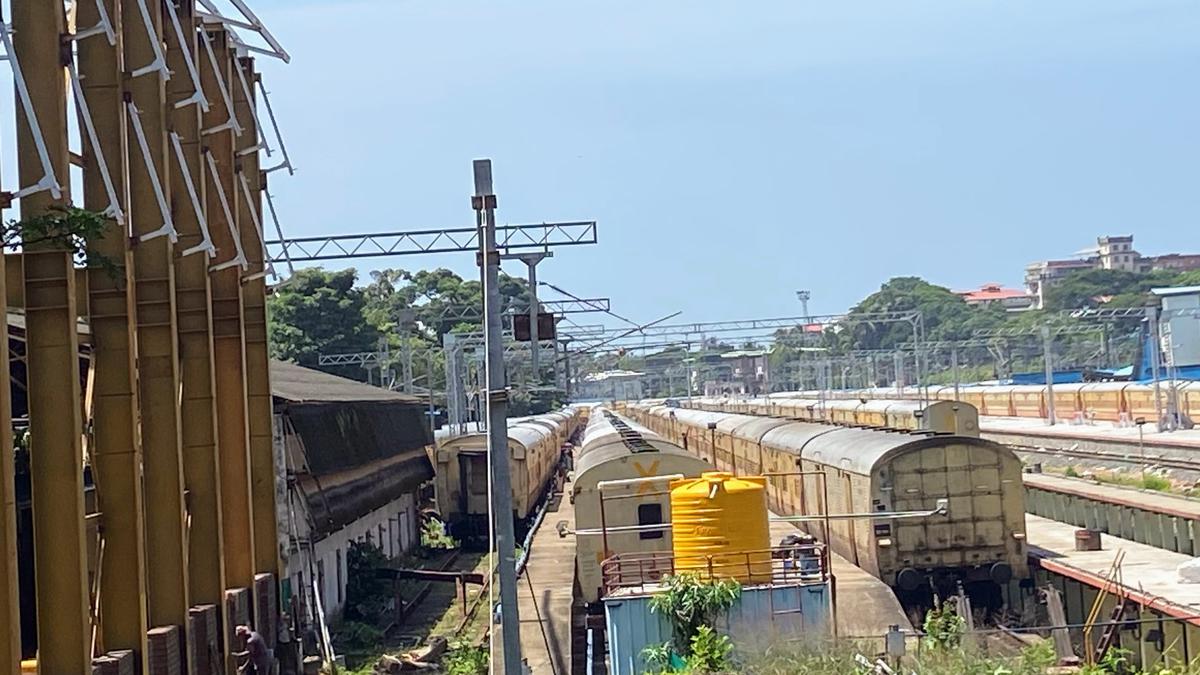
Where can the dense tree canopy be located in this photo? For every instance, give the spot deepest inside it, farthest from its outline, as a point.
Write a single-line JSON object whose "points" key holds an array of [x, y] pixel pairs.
{"points": [[322, 312], [317, 312], [1112, 288]]}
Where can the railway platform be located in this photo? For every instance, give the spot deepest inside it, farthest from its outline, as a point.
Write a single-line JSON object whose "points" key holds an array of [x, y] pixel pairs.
{"points": [[546, 593], [1098, 436], [1166, 521], [1162, 615]]}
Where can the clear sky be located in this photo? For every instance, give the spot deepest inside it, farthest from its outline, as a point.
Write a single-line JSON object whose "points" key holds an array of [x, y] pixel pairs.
{"points": [[733, 152]]}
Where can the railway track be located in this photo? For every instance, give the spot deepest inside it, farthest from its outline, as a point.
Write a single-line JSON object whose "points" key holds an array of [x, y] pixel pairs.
{"points": [[1120, 458]]}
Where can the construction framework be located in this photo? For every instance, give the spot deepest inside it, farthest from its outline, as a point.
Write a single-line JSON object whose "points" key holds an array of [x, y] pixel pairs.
{"points": [[165, 94]]}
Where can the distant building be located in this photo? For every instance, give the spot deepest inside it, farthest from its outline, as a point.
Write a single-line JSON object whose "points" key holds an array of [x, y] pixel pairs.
{"points": [[744, 372], [1041, 275], [1112, 252], [1177, 262], [1116, 253], [610, 385], [1011, 299]]}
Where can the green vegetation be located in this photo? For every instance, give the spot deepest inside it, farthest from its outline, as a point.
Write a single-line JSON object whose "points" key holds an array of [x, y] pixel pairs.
{"points": [[434, 536], [65, 228], [823, 659], [322, 312], [944, 628], [465, 659], [692, 605], [1149, 481], [368, 596], [319, 312]]}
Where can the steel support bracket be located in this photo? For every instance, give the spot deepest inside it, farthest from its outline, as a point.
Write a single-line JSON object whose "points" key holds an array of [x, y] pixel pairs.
{"points": [[480, 202], [498, 396]]}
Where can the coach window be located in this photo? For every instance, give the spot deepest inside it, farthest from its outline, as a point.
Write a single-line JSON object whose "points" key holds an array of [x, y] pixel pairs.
{"points": [[650, 514]]}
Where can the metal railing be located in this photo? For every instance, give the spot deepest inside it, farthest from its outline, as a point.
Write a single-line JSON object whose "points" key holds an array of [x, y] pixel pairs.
{"points": [[777, 566]]}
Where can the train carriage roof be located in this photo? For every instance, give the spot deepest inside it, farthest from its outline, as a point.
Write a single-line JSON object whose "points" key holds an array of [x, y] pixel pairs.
{"points": [[693, 417], [603, 453], [793, 436], [858, 450], [599, 431], [754, 429], [520, 430], [602, 443]]}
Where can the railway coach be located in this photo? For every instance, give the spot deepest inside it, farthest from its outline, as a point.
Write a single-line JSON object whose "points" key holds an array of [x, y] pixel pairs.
{"points": [[941, 416], [613, 449], [818, 469], [534, 446]]}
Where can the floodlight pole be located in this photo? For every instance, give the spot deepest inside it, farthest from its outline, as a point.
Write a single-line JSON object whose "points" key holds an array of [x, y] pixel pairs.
{"points": [[954, 367], [1048, 358], [484, 204], [1155, 361]]}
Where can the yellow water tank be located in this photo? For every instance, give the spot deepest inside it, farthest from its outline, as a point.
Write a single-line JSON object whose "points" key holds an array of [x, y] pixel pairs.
{"points": [[720, 528]]}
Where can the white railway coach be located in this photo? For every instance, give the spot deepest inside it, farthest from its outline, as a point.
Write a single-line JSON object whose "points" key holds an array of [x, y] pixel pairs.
{"points": [[614, 449]]}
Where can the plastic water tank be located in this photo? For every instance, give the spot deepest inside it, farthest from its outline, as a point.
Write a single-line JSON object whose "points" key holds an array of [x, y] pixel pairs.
{"points": [[720, 528]]}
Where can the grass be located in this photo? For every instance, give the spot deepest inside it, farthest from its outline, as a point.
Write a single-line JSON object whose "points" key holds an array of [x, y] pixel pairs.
{"points": [[1149, 481], [840, 660]]}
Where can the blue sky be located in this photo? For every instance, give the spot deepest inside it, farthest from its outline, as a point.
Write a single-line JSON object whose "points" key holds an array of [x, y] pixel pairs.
{"points": [[733, 152]]}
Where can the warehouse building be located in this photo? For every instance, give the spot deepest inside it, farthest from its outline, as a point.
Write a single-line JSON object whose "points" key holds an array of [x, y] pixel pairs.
{"points": [[356, 459]]}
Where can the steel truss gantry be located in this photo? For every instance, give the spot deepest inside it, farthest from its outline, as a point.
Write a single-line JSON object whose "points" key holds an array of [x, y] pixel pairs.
{"points": [[416, 242]]}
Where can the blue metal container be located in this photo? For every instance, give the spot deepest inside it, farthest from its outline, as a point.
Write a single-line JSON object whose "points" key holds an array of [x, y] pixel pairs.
{"points": [[761, 615]]}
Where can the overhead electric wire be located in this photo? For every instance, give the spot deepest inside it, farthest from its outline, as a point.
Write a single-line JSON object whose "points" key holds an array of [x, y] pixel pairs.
{"points": [[577, 298], [629, 332]]}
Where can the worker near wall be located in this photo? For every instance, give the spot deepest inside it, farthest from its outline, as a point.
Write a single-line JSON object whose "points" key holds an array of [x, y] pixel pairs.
{"points": [[259, 659]]}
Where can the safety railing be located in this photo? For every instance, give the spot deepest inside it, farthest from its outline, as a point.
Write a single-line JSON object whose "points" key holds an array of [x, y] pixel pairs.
{"points": [[780, 565]]}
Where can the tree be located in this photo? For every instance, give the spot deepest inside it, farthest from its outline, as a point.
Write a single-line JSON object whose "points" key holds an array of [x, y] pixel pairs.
{"points": [[319, 312], [945, 314], [441, 300]]}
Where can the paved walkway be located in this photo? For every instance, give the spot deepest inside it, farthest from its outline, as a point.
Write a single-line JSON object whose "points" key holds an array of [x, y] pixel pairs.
{"points": [[1098, 432], [551, 573], [1149, 573]]}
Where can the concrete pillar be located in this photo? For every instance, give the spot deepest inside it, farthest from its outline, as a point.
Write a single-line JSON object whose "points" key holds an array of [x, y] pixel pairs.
{"points": [[60, 560], [260, 415], [206, 571], [228, 336], [116, 447]]}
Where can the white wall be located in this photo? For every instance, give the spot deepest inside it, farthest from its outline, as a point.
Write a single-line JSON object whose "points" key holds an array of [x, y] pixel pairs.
{"points": [[400, 533]]}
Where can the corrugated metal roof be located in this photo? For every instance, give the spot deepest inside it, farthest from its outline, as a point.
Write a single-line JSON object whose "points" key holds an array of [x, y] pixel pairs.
{"points": [[298, 384], [1176, 290]]}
